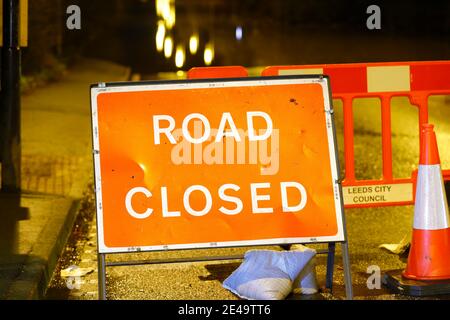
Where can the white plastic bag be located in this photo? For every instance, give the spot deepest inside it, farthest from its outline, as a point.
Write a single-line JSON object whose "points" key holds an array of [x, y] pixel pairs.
{"points": [[306, 281], [267, 274]]}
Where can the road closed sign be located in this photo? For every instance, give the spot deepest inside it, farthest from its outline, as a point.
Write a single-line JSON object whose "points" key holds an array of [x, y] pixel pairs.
{"points": [[215, 163]]}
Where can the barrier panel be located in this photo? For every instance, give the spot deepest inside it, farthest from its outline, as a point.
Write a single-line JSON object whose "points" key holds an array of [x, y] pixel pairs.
{"points": [[217, 72], [415, 80], [213, 163]]}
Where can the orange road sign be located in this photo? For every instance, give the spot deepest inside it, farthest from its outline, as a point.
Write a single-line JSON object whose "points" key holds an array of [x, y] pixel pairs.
{"points": [[215, 163]]}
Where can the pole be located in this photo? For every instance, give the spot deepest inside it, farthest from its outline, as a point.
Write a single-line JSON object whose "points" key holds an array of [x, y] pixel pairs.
{"points": [[101, 276], [330, 266], [347, 271], [10, 108]]}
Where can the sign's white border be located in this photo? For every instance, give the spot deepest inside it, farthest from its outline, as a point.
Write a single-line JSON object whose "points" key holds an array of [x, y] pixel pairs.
{"points": [[96, 91]]}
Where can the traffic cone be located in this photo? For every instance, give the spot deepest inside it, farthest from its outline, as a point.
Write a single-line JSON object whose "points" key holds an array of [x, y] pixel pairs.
{"points": [[429, 256]]}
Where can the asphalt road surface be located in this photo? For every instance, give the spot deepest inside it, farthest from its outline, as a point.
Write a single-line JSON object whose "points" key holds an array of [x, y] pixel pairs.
{"points": [[367, 228]]}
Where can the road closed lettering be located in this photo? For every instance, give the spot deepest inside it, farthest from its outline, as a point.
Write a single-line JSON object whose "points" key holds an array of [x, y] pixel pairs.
{"points": [[256, 198], [220, 164]]}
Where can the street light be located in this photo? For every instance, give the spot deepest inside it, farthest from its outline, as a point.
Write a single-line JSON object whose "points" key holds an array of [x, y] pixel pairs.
{"points": [[160, 4], [168, 47], [208, 54], [238, 33], [160, 34], [166, 10], [193, 44], [179, 56], [170, 19]]}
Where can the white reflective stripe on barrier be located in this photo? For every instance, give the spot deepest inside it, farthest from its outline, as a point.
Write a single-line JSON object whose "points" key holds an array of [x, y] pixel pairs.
{"points": [[290, 72], [431, 209], [388, 79]]}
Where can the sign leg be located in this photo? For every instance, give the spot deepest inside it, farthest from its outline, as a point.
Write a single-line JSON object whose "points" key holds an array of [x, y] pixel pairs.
{"points": [[347, 271], [330, 265], [101, 276]]}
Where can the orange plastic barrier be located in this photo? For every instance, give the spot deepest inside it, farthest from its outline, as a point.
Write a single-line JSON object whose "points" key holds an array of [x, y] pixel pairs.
{"points": [[416, 80], [217, 72]]}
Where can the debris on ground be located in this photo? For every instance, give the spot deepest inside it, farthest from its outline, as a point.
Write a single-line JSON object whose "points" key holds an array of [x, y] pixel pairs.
{"points": [[397, 248], [75, 271]]}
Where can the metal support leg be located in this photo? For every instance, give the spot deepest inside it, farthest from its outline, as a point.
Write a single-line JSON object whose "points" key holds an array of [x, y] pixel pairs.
{"points": [[101, 276], [330, 265], [347, 271]]}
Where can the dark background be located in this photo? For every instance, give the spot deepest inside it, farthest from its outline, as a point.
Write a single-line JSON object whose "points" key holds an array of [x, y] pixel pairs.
{"points": [[275, 32]]}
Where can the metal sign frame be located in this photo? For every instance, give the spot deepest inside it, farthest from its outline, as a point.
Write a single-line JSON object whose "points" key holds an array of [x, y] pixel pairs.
{"points": [[340, 237]]}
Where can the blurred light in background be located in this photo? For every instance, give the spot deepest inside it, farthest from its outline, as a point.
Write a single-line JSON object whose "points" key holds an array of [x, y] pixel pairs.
{"points": [[160, 34], [238, 33], [208, 55], [159, 4], [166, 10], [179, 56], [168, 47], [170, 21], [193, 44]]}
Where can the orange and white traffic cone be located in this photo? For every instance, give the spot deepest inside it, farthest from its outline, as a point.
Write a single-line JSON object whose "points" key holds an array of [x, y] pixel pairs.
{"points": [[429, 256]]}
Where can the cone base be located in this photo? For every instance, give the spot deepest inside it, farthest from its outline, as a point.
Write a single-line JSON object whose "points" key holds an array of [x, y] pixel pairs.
{"points": [[429, 256], [396, 283]]}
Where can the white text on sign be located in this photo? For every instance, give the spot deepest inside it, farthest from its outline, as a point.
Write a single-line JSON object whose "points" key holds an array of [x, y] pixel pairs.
{"points": [[227, 144], [165, 126], [257, 195]]}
